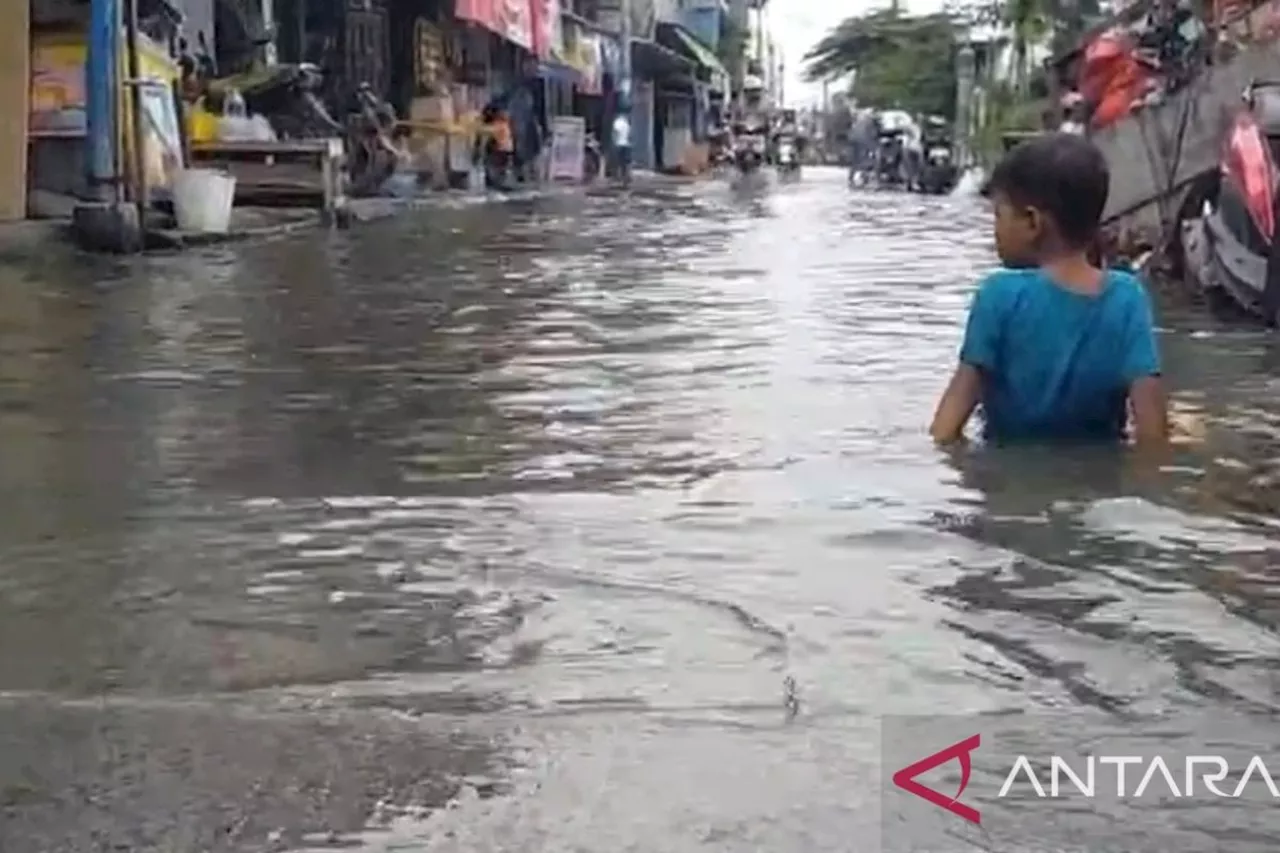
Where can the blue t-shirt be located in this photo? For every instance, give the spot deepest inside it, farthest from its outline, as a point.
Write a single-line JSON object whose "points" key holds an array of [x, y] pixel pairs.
{"points": [[1057, 365]]}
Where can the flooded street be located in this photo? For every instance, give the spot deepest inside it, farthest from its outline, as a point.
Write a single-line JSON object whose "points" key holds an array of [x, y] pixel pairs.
{"points": [[613, 524]]}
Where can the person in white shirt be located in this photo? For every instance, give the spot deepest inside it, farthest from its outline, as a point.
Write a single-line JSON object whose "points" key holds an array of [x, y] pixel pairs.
{"points": [[622, 145]]}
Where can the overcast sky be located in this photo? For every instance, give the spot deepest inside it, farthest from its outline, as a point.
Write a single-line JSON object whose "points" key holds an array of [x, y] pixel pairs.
{"points": [[797, 25]]}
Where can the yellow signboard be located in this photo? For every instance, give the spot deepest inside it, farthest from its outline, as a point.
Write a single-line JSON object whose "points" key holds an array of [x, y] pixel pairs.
{"points": [[58, 99]]}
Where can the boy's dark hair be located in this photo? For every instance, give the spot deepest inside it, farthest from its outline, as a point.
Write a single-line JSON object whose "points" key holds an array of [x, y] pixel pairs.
{"points": [[1062, 174]]}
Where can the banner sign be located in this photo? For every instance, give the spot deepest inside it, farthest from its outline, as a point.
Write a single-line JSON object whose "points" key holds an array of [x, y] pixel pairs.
{"points": [[568, 140]]}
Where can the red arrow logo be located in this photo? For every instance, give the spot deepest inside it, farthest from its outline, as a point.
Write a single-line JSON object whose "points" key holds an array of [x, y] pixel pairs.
{"points": [[906, 778]]}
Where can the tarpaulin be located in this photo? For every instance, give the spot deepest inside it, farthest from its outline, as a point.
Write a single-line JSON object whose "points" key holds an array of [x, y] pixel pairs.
{"points": [[510, 19]]}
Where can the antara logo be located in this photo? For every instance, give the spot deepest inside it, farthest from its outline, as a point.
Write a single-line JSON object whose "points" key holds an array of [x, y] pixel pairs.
{"points": [[961, 751]]}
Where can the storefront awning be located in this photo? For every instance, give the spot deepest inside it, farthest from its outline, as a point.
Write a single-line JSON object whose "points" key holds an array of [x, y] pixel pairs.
{"points": [[679, 39], [550, 69], [652, 61]]}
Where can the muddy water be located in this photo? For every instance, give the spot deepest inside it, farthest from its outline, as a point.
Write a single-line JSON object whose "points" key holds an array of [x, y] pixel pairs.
{"points": [[610, 523]]}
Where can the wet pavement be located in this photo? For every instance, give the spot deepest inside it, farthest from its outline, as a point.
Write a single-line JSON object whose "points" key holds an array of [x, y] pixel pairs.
{"points": [[612, 525]]}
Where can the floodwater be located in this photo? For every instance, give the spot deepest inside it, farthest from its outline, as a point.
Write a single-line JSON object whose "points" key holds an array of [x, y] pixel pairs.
{"points": [[586, 524]]}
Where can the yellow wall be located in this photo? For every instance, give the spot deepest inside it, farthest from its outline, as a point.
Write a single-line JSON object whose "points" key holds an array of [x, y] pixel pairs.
{"points": [[15, 84]]}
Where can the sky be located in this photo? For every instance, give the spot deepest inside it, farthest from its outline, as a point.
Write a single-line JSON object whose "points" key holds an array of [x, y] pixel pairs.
{"points": [[797, 25]]}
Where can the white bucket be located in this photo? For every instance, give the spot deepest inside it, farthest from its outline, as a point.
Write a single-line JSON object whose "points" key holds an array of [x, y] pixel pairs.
{"points": [[202, 200]]}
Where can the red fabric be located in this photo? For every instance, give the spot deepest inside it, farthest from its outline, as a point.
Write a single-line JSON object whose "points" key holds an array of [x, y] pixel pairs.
{"points": [[544, 16], [540, 44], [1113, 107], [1112, 78], [1107, 56]]}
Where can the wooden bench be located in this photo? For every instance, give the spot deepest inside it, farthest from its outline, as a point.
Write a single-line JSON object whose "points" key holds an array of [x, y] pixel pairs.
{"points": [[293, 173]]}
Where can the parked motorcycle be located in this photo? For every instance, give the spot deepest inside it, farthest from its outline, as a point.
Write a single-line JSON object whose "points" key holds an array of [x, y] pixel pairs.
{"points": [[371, 154], [592, 159], [288, 95], [1227, 234]]}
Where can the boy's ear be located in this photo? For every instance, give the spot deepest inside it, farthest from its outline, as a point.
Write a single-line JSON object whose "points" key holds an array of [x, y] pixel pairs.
{"points": [[1036, 220]]}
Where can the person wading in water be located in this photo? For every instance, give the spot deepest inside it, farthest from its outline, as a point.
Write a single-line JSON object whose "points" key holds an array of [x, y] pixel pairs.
{"points": [[1055, 349]]}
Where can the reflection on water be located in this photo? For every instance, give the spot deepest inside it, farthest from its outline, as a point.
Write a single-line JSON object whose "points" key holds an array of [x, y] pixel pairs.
{"points": [[619, 518]]}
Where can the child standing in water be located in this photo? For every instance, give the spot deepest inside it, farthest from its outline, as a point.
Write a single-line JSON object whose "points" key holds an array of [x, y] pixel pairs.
{"points": [[1055, 348]]}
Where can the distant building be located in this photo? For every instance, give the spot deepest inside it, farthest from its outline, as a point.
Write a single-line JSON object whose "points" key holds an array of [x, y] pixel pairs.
{"points": [[748, 18], [987, 58]]}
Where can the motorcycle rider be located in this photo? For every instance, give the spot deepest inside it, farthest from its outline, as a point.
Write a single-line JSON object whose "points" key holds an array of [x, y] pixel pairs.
{"points": [[864, 136], [913, 154], [901, 161], [750, 117], [751, 113]]}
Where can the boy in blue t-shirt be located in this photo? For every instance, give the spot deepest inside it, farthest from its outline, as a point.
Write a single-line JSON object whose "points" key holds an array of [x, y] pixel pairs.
{"points": [[1054, 347]]}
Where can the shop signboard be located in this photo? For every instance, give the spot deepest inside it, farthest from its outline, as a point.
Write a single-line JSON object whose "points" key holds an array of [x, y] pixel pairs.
{"points": [[58, 100], [568, 138]]}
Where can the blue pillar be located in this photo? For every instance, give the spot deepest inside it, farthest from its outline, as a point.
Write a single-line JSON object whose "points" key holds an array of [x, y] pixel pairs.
{"points": [[104, 222], [101, 68]]}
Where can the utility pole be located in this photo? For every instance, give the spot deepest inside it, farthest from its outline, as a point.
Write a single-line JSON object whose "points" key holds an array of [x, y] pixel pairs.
{"points": [[761, 59], [782, 79]]}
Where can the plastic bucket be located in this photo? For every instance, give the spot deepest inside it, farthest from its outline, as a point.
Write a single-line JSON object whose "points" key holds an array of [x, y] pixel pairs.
{"points": [[202, 200]]}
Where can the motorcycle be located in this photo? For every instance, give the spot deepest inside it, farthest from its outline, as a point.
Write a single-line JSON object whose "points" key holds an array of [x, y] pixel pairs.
{"points": [[940, 174], [288, 95], [371, 155], [592, 159], [889, 170], [1227, 232], [721, 148], [788, 159], [749, 150]]}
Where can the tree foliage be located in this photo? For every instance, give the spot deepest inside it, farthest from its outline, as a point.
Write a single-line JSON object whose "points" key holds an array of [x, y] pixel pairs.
{"points": [[898, 60]]}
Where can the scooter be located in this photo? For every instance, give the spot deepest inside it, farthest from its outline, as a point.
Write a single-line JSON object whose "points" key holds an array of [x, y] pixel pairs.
{"points": [[287, 94], [939, 175], [889, 170], [371, 155], [592, 159], [749, 152], [788, 160], [1228, 235]]}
